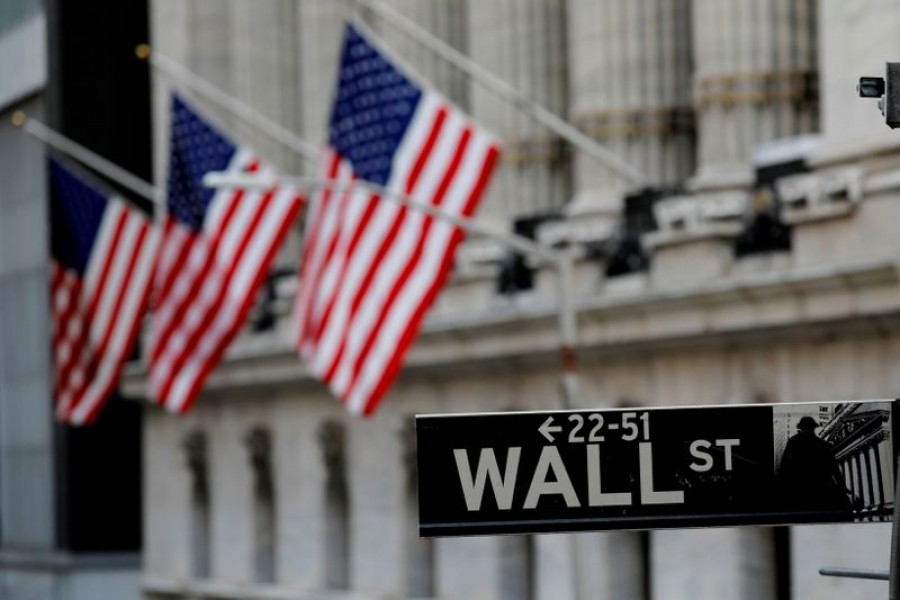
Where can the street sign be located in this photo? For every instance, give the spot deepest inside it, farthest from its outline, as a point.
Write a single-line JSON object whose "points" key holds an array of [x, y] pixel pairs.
{"points": [[655, 468]]}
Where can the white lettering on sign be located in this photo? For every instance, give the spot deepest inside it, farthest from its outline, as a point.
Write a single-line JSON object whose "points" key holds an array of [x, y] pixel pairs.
{"points": [[596, 496], [648, 494], [503, 486], [551, 478], [700, 451], [550, 459]]}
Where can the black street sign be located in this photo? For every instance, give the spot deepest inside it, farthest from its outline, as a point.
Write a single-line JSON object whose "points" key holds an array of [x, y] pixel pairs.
{"points": [[655, 468]]}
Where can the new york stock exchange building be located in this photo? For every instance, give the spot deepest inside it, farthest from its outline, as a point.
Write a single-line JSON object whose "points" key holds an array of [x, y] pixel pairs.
{"points": [[755, 262]]}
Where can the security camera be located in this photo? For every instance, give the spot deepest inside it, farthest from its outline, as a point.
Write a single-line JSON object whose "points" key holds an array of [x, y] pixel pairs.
{"points": [[887, 90], [870, 87]]}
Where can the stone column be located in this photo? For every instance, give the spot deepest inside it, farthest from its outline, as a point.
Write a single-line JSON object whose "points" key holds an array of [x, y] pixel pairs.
{"points": [[754, 82], [720, 564], [630, 69], [446, 20], [523, 42], [265, 73]]}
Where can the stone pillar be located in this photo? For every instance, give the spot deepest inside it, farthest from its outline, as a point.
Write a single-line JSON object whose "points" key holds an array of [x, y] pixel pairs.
{"points": [[523, 43], [755, 81], [446, 20], [630, 69], [265, 72], [720, 564], [28, 485]]}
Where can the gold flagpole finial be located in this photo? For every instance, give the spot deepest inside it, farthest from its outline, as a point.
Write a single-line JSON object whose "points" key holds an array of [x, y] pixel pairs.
{"points": [[143, 51], [18, 118]]}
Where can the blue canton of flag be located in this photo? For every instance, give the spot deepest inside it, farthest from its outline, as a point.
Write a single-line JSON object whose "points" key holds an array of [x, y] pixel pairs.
{"points": [[103, 254], [374, 107], [195, 150], [217, 248], [372, 268]]}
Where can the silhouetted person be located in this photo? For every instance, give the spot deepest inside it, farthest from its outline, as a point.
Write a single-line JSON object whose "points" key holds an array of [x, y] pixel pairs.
{"points": [[809, 475]]}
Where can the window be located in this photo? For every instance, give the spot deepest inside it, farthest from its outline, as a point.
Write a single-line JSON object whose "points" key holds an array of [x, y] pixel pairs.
{"points": [[259, 447], [337, 507], [195, 448]]}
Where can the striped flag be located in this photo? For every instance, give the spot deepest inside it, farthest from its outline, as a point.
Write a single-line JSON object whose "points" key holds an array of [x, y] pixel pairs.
{"points": [[103, 252], [216, 250], [371, 268]]}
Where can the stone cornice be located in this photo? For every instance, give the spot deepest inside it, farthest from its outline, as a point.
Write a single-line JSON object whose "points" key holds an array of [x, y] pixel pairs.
{"points": [[770, 306]]}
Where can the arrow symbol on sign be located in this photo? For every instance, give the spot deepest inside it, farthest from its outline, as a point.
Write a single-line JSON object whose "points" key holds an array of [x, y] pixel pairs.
{"points": [[548, 428]]}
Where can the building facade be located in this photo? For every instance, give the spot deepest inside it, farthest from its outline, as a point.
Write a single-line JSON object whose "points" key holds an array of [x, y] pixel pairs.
{"points": [[758, 262], [70, 523]]}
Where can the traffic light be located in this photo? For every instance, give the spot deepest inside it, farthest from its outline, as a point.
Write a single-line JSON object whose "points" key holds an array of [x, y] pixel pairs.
{"points": [[887, 90]]}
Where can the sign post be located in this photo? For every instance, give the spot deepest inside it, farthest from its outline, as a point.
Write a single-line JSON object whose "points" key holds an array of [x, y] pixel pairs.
{"points": [[582, 470]]}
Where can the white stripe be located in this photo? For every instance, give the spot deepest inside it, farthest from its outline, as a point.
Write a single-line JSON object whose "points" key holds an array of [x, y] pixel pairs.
{"points": [[132, 307], [309, 290], [95, 264], [362, 261], [398, 256], [176, 240], [423, 277], [183, 283], [109, 294], [215, 212], [101, 249], [165, 314], [351, 211], [252, 261]]}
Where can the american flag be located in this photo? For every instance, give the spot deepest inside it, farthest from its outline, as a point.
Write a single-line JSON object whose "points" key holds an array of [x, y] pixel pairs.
{"points": [[371, 268], [216, 250], [103, 253]]}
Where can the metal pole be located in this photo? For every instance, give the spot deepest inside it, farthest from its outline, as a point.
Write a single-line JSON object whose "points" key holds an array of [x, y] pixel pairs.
{"points": [[308, 184], [568, 327], [894, 585], [176, 72], [111, 170], [562, 260], [504, 90], [854, 573]]}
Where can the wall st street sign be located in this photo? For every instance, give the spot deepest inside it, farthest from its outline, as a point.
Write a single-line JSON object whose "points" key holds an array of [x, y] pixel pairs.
{"points": [[655, 468]]}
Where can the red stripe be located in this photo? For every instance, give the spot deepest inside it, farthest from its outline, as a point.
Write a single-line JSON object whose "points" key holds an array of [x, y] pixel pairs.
{"points": [[309, 280], [131, 339], [368, 212], [169, 277], [102, 283], [62, 326], [414, 258], [313, 319], [416, 319], [213, 308], [181, 307], [100, 353], [162, 338], [247, 304], [72, 285], [388, 242]]}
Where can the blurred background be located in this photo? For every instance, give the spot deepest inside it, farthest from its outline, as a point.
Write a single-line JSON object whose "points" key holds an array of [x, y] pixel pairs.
{"points": [[755, 260]]}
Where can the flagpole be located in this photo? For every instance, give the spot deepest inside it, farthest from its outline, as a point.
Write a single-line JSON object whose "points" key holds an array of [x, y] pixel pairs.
{"points": [[504, 90], [176, 72], [562, 260], [61, 143]]}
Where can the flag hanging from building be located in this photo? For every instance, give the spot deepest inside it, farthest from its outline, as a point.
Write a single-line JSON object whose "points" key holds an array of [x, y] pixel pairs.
{"points": [[103, 252], [371, 268], [216, 250]]}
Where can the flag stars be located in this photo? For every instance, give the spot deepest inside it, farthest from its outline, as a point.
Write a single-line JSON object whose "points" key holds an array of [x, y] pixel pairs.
{"points": [[375, 103]]}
